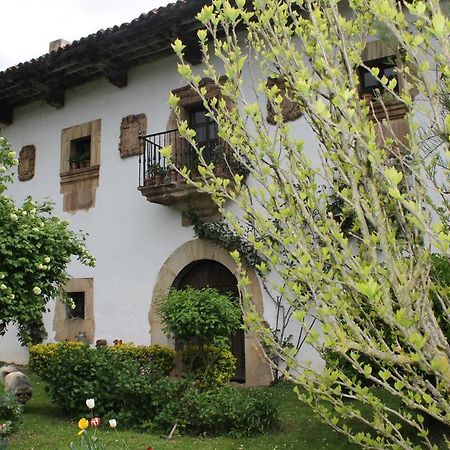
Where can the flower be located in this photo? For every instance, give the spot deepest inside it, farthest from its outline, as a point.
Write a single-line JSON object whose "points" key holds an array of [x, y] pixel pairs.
{"points": [[112, 423], [83, 424], [95, 421], [37, 290], [90, 403]]}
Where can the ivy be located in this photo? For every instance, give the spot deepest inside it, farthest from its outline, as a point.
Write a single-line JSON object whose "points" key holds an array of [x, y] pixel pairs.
{"points": [[221, 234]]}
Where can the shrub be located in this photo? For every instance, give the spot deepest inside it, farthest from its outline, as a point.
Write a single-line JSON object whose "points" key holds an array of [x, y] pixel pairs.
{"points": [[125, 386], [74, 372], [41, 354], [200, 316], [222, 410], [10, 410], [161, 359], [210, 366]]}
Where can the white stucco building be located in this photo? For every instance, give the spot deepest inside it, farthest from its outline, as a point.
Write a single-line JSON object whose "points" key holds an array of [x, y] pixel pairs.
{"points": [[76, 115]]}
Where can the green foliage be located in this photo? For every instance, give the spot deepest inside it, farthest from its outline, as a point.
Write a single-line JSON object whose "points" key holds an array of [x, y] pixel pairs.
{"points": [[199, 316], [226, 410], [74, 372], [35, 249], [371, 289], [159, 360], [41, 354], [10, 411], [221, 234], [126, 385], [209, 366]]}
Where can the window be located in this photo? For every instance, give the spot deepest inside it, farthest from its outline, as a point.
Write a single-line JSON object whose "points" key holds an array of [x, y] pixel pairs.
{"points": [[206, 129], [368, 83], [69, 324], [80, 153], [79, 311], [80, 165]]}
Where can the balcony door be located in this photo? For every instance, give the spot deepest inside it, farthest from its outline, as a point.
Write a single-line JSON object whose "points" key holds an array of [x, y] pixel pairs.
{"points": [[209, 273], [206, 132]]}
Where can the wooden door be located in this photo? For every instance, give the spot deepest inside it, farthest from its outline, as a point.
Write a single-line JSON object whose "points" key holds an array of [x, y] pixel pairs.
{"points": [[209, 273]]}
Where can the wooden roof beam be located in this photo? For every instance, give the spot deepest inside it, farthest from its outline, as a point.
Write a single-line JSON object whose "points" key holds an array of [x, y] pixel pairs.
{"points": [[54, 96], [116, 75], [193, 53], [6, 116]]}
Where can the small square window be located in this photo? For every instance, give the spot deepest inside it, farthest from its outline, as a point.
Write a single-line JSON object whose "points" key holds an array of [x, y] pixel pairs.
{"points": [[368, 83], [79, 311], [80, 153]]}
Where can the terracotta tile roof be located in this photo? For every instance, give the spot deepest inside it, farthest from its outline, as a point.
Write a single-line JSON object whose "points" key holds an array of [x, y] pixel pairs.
{"points": [[105, 54]]}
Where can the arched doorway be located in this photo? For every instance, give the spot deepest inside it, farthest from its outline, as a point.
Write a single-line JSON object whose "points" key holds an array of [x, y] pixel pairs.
{"points": [[257, 371], [209, 273]]}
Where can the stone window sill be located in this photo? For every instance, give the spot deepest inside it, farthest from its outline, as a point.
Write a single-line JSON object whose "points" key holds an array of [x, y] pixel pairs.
{"points": [[84, 173]]}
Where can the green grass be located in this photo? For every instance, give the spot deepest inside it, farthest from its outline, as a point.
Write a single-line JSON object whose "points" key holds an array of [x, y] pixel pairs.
{"points": [[45, 427]]}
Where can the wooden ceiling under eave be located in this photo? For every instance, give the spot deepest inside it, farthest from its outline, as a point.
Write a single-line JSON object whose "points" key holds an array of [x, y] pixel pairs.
{"points": [[106, 54]]}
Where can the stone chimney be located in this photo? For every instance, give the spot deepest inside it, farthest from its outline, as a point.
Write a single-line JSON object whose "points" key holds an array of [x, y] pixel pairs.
{"points": [[59, 43]]}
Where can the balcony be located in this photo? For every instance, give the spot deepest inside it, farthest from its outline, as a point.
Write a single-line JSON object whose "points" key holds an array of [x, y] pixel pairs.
{"points": [[160, 183]]}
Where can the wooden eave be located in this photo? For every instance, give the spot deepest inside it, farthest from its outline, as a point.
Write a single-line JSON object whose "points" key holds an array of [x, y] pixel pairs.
{"points": [[106, 54]]}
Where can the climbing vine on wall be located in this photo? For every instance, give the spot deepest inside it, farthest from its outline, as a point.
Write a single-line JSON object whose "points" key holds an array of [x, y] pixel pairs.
{"points": [[221, 234]]}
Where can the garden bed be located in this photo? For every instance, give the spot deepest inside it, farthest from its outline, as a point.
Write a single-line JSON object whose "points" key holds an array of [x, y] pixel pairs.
{"points": [[45, 427]]}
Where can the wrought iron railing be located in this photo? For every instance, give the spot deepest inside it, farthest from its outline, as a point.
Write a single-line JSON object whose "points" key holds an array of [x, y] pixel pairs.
{"points": [[153, 165]]}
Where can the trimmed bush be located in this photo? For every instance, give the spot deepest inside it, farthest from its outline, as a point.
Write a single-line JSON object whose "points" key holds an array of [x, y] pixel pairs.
{"points": [[210, 366], [200, 316], [74, 372], [160, 360], [41, 354]]}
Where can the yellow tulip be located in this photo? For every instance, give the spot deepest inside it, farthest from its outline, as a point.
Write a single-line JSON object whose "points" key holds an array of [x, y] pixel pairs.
{"points": [[83, 424]]}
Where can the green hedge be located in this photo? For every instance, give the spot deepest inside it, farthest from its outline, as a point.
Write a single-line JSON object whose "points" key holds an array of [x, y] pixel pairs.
{"points": [[210, 366], [74, 372], [131, 384]]}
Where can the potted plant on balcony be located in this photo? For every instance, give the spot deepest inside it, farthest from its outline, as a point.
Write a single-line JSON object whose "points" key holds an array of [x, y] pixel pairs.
{"points": [[74, 163], [218, 158], [85, 159], [155, 174]]}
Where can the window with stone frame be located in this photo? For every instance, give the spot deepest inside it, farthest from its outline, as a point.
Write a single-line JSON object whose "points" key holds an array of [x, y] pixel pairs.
{"points": [[80, 165], [69, 323], [369, 84]]}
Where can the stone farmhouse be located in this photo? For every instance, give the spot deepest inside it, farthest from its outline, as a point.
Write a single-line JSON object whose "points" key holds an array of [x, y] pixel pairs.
{"points": [[87, 120]]}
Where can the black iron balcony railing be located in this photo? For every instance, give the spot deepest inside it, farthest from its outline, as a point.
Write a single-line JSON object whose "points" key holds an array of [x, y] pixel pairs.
{"points": [[155, 169]]}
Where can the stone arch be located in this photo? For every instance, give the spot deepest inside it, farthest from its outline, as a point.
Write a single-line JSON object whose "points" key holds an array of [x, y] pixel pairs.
{"points": [[257, 370]]}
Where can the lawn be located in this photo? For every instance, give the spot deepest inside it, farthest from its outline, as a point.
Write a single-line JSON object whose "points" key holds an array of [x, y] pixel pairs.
{"points": [[45, 427]]}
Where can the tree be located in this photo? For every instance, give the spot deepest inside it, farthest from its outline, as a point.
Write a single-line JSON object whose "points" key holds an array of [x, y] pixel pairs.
{"points": [[35, 249], [364, 273]]}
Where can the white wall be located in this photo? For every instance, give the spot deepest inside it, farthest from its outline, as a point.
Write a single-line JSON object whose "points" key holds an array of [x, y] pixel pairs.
{"points": [[130, 237]]}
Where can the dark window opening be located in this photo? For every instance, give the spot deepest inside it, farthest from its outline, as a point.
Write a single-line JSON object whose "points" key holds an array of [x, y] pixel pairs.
{"points": [[79, 311], [80, 152], [206, 132], [369, 84]]}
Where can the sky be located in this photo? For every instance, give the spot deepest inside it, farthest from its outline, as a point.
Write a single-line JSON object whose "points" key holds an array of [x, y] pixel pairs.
{"points": [[28, 26]]}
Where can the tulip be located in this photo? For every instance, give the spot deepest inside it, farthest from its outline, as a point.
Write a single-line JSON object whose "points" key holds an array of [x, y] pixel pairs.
{"points": [[83, 424], [112, 423], [95, 421], [90, 403]]}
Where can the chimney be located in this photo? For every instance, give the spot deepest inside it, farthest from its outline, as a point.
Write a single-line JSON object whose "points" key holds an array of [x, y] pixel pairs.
{"points": [[56, 45]]}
